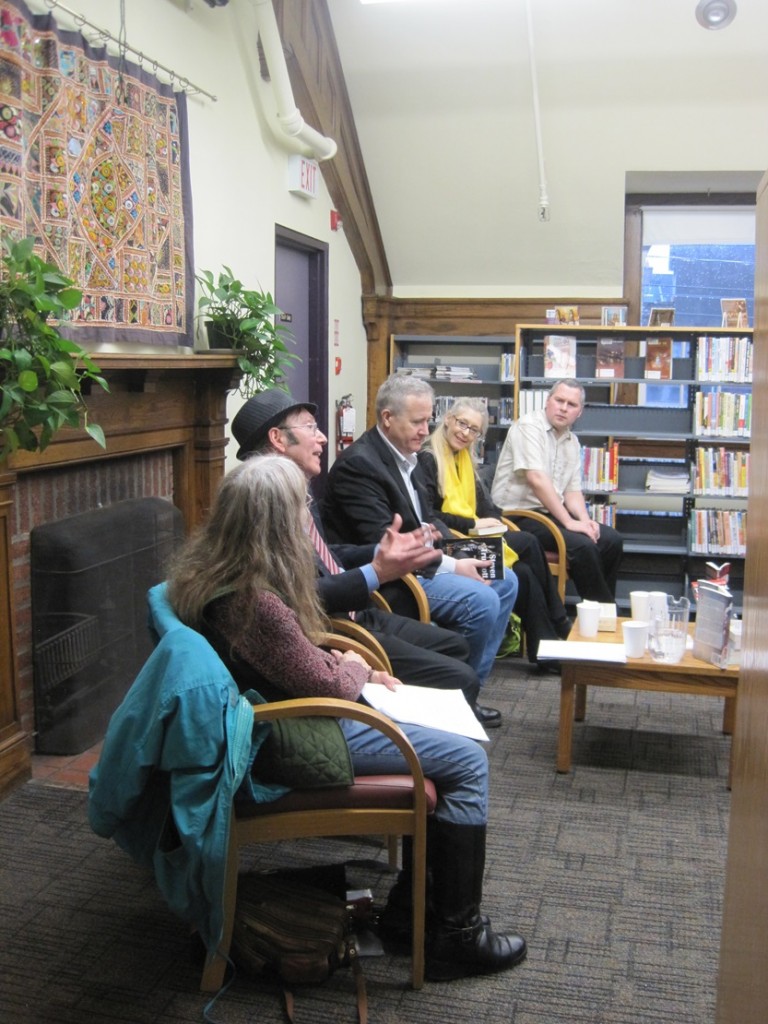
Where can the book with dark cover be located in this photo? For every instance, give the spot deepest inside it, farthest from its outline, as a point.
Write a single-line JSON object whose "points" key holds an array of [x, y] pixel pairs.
{"points": [[609, 357], [484, 548], [658, 359]]}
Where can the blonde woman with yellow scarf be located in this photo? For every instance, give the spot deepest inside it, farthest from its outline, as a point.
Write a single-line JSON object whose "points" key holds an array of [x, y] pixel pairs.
{"points": [[460, 500]]}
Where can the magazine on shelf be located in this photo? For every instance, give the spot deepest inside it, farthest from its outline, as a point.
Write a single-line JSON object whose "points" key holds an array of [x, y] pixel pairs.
{"points": [[661, 316], [484, 548], [609, 358], [668, 481], [658, 359], [559, 355], [714, 606]]}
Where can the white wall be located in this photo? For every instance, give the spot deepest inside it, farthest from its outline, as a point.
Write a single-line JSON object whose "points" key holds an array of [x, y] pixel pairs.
{"points": [[238, 170]]}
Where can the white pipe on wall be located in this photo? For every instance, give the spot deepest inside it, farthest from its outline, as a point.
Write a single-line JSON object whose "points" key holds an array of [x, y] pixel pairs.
{"points": [[292, 124]]}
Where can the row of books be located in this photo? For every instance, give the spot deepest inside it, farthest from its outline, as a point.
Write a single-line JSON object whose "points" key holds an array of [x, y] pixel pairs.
{"points": [[531, 400], [717, 471], [727, 359], [602, 512], [451, 373], [444, 402], [722, 414], [600, 468], [718, 531]]}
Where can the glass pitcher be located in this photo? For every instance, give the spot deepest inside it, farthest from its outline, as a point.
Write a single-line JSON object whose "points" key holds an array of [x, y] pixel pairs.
{"points": [[669, 631]]}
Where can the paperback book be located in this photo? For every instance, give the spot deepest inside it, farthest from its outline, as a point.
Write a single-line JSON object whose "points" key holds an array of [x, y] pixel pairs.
{"points": [[559, 355], [485, 548], [714, 605], [567, 314], [734, 312], [658, 359], [609, 358], [613, 316], [487, 531]]}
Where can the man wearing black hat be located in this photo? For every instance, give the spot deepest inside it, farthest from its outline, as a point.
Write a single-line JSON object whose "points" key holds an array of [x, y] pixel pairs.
{"points": [[421, 654]]}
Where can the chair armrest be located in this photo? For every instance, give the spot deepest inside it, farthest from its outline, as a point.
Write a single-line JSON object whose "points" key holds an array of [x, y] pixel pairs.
{"points": [[417, 592], [554, 529], [380, 601], [351, 630]]}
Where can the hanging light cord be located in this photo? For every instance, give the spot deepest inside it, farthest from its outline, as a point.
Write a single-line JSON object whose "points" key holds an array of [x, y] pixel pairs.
{"points": [[124, 48], [543, 197]]}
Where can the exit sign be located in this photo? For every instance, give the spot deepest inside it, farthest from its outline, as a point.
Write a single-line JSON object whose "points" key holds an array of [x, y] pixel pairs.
{"points": [[303, 176]]}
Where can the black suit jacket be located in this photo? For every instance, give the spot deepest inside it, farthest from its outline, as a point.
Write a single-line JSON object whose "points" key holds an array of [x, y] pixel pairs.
{"points": [[365, 489], [346, 591]]}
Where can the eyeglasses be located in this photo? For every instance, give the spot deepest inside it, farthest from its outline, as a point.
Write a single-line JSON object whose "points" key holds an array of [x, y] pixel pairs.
{"points": [[312, 427], [467, 428]]}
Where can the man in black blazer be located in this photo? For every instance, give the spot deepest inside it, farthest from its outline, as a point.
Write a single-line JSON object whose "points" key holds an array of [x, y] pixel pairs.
{"points": [[377, 478], [420, 653]]}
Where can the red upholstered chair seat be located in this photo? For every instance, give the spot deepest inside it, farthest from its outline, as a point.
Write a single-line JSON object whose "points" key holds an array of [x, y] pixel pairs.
{"points": [[385, 791]]}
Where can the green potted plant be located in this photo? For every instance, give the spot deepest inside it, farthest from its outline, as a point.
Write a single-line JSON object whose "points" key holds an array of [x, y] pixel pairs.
{"points": [[244, 319], [41, 373]]}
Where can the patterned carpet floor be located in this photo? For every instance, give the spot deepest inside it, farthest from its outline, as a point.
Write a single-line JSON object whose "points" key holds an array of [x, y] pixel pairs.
{"points": [[614, 873]]}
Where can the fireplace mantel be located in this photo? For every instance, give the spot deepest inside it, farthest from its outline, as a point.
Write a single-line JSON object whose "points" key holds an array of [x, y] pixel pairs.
{"points": [[173, 401]]}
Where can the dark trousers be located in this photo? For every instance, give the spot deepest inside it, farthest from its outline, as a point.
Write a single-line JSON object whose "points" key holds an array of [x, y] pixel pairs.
{"points": [[538, 603], [421, 653], [592, 565]]}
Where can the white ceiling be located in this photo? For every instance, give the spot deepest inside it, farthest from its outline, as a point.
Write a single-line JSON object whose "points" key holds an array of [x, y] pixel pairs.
{"points": [[442, 97]]}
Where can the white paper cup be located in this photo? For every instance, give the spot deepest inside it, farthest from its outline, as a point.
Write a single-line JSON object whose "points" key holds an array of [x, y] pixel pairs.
{"points": [[588, 613], [635, 634], [657, 604], [640, 605]]}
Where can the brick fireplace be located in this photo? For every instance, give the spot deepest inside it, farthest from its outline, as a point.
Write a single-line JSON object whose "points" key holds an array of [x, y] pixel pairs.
{"points": [[164, 420]]}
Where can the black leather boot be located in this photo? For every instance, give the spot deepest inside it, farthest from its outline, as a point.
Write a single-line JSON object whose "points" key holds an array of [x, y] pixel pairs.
{"points": [[461, 942]]}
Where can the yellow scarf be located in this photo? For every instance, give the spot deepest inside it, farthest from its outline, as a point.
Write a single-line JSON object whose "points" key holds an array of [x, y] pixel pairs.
{"points": [[460, 495]]}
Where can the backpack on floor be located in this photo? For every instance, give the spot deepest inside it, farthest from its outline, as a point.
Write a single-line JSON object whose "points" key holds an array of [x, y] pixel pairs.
{"points": [[293, 933]]}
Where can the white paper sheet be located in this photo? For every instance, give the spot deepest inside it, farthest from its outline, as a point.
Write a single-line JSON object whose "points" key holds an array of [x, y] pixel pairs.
{"points": [[423, 705], [580, 650]]}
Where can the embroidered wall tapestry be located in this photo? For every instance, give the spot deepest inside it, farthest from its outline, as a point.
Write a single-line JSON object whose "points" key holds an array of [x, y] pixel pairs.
{"points": [[94, 164]]}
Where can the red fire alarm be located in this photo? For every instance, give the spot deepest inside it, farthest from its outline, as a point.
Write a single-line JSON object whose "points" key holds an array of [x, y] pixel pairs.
{"points": [[335, 220]]}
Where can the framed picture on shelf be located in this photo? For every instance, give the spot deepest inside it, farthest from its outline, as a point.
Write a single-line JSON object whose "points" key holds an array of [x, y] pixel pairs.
{"points": [[734, 313], [613, 316], [567, 314], [661, 316]]}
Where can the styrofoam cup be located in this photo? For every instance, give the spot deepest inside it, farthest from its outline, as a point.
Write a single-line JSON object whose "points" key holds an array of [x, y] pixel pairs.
{"points": [[640, 605], [635, 633], [588, 613]]}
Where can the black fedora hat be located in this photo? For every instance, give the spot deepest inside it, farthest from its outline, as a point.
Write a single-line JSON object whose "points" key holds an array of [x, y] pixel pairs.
{"points": [[260, 413]]}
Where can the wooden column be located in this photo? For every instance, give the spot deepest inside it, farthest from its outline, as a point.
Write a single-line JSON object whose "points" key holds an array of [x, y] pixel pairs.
{"points": [[742, 995]]}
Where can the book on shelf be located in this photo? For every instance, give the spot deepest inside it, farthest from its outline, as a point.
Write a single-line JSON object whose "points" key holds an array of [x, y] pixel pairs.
{"points": [[658, 359], [531, 400], [613, 316], [487, 531], [567, 314], [484, 548], [609, 358], [450, 373], [668, 480], [559, 355], [714, 607], [661, 316], [734, 313]]}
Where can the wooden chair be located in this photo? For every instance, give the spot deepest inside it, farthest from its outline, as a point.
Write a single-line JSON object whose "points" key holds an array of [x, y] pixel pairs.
{"points": [[390, 805], [556, 560], [406, 597]]}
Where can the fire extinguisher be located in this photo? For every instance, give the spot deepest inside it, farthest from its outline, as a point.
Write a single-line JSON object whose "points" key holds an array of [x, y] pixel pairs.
{"points": [[345, 423]]}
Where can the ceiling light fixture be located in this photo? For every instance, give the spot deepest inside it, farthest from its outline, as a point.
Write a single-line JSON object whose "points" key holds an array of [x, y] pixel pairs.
{"points": [[714, 14]]}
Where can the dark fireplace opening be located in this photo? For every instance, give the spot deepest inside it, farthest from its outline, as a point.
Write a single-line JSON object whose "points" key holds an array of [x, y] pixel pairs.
{"points": [[90, 575]]}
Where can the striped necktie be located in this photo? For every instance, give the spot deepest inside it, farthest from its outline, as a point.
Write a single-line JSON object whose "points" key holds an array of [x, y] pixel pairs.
{"points": [[322, 549]]}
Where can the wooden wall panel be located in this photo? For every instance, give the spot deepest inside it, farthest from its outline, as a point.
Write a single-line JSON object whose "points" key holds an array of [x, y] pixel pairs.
{"points": [[742, 996]]}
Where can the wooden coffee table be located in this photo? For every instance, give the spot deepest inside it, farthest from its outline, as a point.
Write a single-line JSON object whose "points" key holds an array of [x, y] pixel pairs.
{"points": [[689, 676]]}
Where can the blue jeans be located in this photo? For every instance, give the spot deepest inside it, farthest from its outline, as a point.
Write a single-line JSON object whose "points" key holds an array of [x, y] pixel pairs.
{"points": [[479, 611], [457, 765]]}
